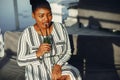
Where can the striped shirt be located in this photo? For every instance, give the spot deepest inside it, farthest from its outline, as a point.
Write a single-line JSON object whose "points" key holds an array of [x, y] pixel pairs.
{"points": [[40, 68]]}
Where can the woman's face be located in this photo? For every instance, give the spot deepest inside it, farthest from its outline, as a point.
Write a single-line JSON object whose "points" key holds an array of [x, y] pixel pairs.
{"points": [[42, 17]]}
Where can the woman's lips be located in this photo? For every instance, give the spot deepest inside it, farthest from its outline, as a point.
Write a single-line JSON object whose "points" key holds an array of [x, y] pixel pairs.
{"points": [[46, 24]]}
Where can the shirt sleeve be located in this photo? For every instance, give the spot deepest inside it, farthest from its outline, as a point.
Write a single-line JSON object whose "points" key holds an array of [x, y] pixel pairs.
{"points": [[24, 57], [66, 54]]}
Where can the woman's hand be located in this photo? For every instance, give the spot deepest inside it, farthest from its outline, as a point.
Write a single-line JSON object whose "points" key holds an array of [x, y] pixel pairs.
{"points": [[56, 72], [43, 48]]}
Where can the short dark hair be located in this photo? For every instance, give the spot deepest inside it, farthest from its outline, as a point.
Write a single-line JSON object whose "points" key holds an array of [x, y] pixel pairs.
{"points": [[39, 4]]}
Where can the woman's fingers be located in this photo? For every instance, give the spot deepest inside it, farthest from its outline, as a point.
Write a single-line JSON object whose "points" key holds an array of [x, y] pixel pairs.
{"points": [[44, 48], [56, 71]]}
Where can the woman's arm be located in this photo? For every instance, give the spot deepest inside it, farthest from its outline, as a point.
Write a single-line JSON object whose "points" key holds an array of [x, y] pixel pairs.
{"points": [[24, 57], [66, 54]]}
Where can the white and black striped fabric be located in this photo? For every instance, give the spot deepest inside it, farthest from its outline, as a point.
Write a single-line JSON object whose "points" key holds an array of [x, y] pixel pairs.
{"points": [[1, 45], [40, 68]]}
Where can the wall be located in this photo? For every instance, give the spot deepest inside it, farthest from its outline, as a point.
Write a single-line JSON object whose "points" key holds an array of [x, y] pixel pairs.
{"points": [[7, 18], [16, 14]]}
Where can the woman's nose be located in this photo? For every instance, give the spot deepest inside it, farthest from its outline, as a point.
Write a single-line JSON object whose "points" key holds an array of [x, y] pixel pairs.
{"points": [[46, 18]]}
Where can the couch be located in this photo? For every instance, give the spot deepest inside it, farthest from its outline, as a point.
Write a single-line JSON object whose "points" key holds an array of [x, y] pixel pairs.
{"points": [[94, 56], [9, 70]]}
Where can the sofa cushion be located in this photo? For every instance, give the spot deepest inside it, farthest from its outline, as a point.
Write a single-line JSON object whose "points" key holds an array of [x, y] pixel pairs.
{"points": [[11, 42], [9, 70]]}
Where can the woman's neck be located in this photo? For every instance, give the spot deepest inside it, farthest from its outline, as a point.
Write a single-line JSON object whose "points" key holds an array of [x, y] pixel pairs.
{"points": [[43, 31]]}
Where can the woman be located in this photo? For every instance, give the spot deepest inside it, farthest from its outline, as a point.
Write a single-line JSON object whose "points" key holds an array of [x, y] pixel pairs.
{"points": [[44, 48]]}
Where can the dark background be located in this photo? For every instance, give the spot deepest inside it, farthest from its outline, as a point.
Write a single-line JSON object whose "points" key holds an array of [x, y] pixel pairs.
{"points": [[101, 5]]}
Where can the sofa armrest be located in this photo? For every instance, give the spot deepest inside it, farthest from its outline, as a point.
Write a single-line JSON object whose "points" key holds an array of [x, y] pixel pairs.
{"points": [[11, 42]]}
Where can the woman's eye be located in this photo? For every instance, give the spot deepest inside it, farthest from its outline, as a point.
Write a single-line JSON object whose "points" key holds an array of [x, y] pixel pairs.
{"points": [[50, 14], [41, 16]]}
